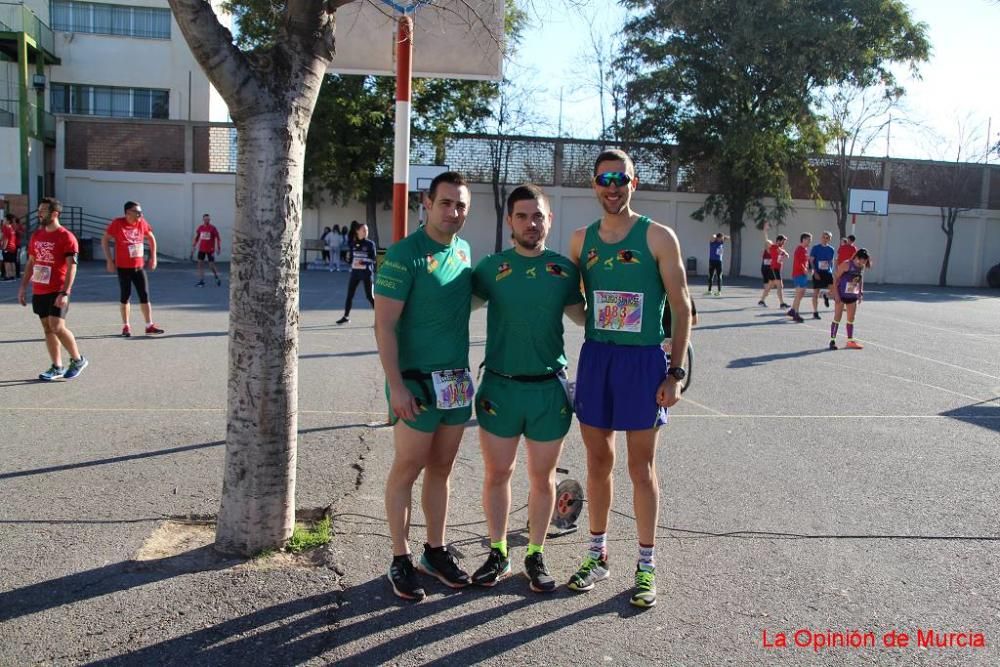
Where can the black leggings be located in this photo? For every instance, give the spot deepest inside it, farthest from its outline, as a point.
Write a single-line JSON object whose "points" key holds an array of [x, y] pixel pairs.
{"points": [[715, 271], [352, 286], [129, 277]]}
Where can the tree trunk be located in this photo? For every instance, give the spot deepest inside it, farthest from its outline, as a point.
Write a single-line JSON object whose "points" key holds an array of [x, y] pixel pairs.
{"points": [[258, 493], [736, 240], [948, 216], [371, 214]]}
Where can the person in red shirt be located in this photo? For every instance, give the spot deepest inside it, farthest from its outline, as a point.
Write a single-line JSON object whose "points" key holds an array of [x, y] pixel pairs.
{"points": [[129, 233], [209, 243], [774, 254], [847, 249], [19, 230], [8, 247], [51, 270], [800, 274]]}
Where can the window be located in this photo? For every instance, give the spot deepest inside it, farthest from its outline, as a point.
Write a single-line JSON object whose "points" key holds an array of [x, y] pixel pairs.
{"points": [[103, 19], [109, 101]]}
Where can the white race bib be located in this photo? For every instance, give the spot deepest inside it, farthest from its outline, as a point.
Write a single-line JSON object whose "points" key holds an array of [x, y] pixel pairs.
{"points": [[453, 389], [41, 274], [568, 387], [618, 311], [767, 261], [206, 236], [359, 263], [824, 265], [134, 250], [854, 287]]}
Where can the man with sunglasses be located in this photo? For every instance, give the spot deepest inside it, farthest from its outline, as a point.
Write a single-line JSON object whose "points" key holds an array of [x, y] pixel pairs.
{"points": [[130, 233], [631, 266]]}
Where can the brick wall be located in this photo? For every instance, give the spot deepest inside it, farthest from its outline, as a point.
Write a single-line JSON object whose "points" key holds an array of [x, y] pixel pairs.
{"points": [[142, 147]]}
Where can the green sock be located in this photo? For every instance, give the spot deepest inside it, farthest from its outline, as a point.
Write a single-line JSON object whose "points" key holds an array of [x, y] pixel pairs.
{"points": [[501, 545], [534, 549]]}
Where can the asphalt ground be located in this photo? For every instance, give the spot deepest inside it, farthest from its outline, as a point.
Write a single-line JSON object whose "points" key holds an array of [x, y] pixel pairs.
{"points": [[803, 491]]}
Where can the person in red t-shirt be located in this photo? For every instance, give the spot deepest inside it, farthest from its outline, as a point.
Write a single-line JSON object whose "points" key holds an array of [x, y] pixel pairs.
{"points": [[209, 243], [774, 254], [846, 250], [8, 247], [51, 270], [129, 234], [800, 274]]}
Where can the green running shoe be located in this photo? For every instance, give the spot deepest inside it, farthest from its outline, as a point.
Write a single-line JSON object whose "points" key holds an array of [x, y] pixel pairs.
{"points": [[591, 571], [495, 568], [645, 588]]}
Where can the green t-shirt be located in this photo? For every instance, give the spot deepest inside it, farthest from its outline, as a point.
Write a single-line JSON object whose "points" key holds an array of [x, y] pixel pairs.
{"points": [[526, 297], [625, 294], [435, 282]]}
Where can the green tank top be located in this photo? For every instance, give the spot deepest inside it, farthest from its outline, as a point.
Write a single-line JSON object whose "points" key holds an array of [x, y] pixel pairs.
{"points": [[624, 290]]}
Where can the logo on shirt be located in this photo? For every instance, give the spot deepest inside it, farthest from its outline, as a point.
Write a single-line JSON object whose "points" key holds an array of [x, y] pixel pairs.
{"points": [[45, 252], [432, 264], [462, 256], [592, 258], [530, 272], [503, 271], [628, 256], [554, 269], [487, 406]]}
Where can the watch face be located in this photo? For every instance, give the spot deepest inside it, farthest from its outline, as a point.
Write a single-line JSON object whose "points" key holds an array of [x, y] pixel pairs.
{"points": [[677, 373]]}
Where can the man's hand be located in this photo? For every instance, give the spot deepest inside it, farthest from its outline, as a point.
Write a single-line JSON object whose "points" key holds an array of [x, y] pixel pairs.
{"points": [[62, 300], [669, 392], [152, 263], [22, 297], [403, 404], [110, 265]]}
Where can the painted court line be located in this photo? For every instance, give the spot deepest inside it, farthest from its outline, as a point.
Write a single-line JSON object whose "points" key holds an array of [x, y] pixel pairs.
{"points": [[868, 371], [955, 332]]}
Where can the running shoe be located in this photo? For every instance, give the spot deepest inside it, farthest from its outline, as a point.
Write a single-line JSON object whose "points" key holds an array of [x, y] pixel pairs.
{"points": [[797, 319], [591, 571], [218, 282], [496, 567], [718, 293], [441, 564], [403, 578], [762, 303], [816, 316], [708, 293], [854, 345], [539, 578], [826, 300], [152, 330], [833, 345], [344, 320], [791, 313], [200, 283], [784, 305], [76, 367], [126, 331], [645, 587], [53, 373]]}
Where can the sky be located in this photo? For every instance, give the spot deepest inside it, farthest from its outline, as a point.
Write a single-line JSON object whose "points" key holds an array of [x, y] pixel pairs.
{"points": [[956, 96]]}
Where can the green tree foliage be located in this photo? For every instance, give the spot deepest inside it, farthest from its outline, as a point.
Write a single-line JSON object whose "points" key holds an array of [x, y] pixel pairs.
{"points": [[732, 82]]}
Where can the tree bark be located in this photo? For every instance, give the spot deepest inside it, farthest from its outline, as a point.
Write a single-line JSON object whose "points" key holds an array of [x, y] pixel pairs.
{"points": [[271, 93], [736, 240], [948, 217]]}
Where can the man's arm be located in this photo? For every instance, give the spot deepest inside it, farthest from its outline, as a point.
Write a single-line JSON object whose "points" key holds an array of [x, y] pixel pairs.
{"points": [[22, 290], [218, 242], [108, 257], [387, 314], [70, 279], [577, 312], [152, 250], [667, 251]]}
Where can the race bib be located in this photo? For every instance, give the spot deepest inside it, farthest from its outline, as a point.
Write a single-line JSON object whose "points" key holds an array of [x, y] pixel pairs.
{"points": [[767, 261], [453, 389], [854, 287], [359, 263], [206, 236], [134, 250], [568, 387], [824, 265], [618, 311], [41, 275]]}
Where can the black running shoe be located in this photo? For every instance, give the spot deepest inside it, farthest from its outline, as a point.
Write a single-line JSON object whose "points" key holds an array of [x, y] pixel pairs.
{"points": [[826, 300], [496, 567], [833, 345], [403, 578], [540, 579], [441, 564], [816, 316], [784, 305], [762, 303], [344, 320]]}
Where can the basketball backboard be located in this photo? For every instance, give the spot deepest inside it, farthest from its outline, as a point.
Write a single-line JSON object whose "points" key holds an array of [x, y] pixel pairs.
{"points": [[421, 175], [452, 39], [868, 202]]}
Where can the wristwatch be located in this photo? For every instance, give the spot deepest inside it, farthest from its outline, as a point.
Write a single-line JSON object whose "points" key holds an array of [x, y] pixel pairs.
{"points": [[677, 373]]}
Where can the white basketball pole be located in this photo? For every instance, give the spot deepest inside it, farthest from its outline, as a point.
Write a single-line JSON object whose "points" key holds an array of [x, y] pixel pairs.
{"points": [[401, 159]]}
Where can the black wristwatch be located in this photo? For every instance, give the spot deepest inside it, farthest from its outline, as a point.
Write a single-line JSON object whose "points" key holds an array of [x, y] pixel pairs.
{"points": [[677, 373]]}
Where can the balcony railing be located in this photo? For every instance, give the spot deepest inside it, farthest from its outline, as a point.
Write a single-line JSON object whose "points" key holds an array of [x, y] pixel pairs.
{"points": [[15, 17]]}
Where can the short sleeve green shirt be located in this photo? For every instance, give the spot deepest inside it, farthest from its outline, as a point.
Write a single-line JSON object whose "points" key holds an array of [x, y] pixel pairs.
{"points": [[435, 282], [526, 297]]}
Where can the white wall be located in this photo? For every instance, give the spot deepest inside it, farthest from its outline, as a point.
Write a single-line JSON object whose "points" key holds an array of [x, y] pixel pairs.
{"points": [[10, 159]]}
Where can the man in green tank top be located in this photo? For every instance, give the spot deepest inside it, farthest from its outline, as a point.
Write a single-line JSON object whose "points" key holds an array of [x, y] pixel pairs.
{"points": [[422, 302], [523, 392], [630, 267]]}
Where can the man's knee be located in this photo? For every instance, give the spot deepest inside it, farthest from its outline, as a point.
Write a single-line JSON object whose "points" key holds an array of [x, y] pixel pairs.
{"points": [[641, 470]]}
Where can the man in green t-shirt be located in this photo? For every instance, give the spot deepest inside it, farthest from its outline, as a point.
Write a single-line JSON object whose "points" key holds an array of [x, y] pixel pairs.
{"points": [[523, 390], [422, 300], [631, 267]]}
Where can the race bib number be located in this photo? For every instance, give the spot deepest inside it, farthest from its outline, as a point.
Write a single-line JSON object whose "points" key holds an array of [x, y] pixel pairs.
{"points": [[824, 265], [453, 389], [854, 287], [767, 261], [134, 250], [41, 275], [206, 236], [359, 263], [618, 311]]}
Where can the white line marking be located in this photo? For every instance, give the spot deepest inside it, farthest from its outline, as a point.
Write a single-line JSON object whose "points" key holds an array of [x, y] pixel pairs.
{"points": [[703, 407], [868, 371], [877, 315]]}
